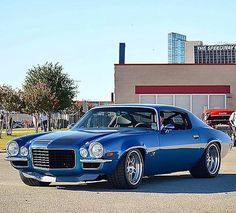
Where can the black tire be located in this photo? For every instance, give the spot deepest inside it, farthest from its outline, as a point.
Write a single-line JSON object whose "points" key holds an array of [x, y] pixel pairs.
{"points": [[120, 178], [32, 182], [207, 167]]}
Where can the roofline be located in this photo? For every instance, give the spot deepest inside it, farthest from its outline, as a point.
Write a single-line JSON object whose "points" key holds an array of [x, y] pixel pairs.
{"points": [[136, 105]]}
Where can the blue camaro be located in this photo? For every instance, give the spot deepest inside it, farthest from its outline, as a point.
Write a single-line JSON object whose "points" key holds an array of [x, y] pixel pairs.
{"points": [[121, 143]]}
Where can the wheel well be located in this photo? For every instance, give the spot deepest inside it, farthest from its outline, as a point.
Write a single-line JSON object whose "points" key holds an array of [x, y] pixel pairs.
{"points": [[217, 142], [143, 152]]}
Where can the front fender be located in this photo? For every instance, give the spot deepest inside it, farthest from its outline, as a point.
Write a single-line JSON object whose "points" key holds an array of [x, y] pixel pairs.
{"points": [[127, 147]]}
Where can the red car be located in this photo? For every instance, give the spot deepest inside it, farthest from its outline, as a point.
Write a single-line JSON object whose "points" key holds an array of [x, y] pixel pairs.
{"points": [[218, 119]]}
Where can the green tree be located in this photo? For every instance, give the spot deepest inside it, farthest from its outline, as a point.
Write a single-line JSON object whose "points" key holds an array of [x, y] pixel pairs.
{"points": [[10, 100], [38, 98], [59, 88]]}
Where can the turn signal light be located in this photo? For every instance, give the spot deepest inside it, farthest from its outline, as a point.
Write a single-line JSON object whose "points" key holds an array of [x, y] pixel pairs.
{"points": [[109, 154]]}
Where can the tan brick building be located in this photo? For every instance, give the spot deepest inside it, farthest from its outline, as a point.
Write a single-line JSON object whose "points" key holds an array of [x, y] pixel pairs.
{"points": [[192, 86]]}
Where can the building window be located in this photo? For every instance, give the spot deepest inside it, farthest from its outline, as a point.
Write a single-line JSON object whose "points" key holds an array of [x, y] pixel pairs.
{"points": [[217, 101], [182, 101], [194, 103], [199, 103], [164, 99], [147, 99]]}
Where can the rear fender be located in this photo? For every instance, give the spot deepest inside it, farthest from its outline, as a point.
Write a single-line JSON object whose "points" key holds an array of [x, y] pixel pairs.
{"points": [[224, 147]]}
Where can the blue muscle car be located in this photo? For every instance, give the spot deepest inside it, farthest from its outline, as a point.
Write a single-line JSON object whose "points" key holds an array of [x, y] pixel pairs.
{"points": [[121, 143]]}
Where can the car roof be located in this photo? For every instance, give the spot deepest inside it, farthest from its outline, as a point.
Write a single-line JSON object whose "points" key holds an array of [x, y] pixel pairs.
{"points": [[155, 106]]}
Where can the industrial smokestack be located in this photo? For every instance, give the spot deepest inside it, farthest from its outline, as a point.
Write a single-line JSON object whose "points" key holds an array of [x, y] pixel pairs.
{"points": [[122, 53]]}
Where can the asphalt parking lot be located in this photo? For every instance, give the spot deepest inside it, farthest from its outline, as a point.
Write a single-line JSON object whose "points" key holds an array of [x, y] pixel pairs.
{"points": [[177, 192]]}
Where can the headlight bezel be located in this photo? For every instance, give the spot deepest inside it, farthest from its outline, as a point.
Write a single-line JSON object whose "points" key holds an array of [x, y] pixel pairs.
{"points": [[93, 153], [17, 146]]}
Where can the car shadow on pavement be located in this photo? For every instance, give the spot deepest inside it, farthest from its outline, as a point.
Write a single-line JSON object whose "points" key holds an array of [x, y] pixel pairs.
{"points": [[223, 183]]}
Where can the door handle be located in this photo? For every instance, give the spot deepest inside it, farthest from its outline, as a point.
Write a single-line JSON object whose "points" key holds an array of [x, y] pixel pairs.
{"points": [[196, 136]]}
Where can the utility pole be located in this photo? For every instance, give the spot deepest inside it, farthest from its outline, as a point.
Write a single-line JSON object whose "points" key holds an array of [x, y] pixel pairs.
{"points": [[77, 82]]}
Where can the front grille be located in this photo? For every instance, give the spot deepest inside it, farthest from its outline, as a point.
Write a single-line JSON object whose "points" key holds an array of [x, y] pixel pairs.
{"points": [[53, 159]]}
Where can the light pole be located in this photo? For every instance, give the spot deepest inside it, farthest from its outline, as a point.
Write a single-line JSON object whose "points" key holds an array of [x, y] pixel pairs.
{"points": [[77, 89]]}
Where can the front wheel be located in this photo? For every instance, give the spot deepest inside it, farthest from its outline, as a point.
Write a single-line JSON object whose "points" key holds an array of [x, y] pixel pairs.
{"points": [[32, 182], [209, 164], [129, 171]]}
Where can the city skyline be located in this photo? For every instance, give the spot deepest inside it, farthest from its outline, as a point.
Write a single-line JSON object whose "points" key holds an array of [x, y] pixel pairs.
{"points": [[84, 37], [176, 48]]}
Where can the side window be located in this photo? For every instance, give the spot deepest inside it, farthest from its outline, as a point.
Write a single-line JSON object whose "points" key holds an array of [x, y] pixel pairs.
{"points": [[180, 120]]}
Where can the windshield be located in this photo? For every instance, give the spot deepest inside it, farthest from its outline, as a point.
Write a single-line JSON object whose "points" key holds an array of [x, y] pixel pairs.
{"points": [[117, 117]]}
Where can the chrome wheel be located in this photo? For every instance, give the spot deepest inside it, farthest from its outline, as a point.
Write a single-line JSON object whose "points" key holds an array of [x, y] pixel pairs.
{"points": [[212, 159], [129, 171], [134, 167]]}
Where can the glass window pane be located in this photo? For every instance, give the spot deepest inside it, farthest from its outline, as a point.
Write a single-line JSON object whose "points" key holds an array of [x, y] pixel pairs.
{"points": [[183, 101], [147, 99], [217, 101], [199, 103], [165, 99]]}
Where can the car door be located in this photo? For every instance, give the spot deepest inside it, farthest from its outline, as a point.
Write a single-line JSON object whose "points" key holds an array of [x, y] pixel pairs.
{"points": [[179, 148]]}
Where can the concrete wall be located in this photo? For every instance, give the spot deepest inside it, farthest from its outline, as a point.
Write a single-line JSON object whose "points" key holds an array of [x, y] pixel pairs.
{"points": [[128, 76], [189, 51]]}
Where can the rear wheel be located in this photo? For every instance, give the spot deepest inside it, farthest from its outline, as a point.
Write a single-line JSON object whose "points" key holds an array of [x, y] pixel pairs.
{"points": [[129, 171], [32, 182], [209, 165]]}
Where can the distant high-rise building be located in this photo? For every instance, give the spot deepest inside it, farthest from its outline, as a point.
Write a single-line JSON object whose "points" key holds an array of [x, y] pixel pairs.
{"points": [[215, 54], [176, 48], [196, 52]]}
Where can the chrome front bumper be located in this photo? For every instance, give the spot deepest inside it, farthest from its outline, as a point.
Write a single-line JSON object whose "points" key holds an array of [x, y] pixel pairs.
{"points": [[51, 179], [15, 159], [95, 161]]}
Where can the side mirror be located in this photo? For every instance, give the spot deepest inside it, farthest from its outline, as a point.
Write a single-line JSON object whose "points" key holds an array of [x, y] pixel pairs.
{"points": [[71, 126]]}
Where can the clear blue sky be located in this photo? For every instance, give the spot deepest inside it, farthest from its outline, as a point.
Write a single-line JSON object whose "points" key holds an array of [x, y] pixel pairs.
{"points": [[84, 36]]}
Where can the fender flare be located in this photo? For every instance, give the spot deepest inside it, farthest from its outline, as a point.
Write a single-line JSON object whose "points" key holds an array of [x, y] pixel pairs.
{"points": [[213, 141], [143, 150]]}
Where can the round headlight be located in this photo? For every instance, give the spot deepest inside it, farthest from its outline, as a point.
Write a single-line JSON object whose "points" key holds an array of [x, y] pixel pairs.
{"points": [[24, 151], [96, 150], [83, 152], [12, 148]]}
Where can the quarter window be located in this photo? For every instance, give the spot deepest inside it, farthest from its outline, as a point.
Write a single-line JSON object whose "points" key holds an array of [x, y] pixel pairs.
{"points": [[180, 120]]}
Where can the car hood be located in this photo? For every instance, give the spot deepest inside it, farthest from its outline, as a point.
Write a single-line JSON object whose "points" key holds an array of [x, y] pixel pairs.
{"points": [[69, 138], [77, 138]]}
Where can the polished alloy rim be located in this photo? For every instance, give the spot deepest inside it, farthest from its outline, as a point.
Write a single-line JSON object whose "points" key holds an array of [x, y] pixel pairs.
{"points": [[212, 159], [134, 167]]}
